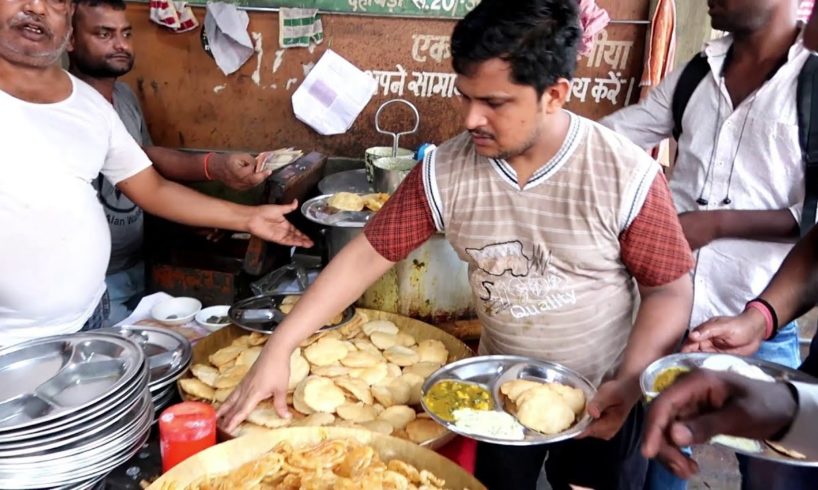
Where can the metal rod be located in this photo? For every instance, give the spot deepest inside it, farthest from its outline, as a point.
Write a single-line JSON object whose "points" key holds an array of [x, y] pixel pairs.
{"points": [[639, 22]]}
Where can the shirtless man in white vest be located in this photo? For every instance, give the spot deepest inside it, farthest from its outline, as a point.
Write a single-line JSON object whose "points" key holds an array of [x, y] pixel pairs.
{"points": [[566, 228], [58, 135]]}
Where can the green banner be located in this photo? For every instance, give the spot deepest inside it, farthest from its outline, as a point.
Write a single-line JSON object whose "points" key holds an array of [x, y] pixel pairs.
{"points": [[405, 8]]}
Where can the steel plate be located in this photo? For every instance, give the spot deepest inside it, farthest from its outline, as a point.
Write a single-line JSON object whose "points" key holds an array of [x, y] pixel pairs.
{"points": [[46, 379], [83, 473], [346, 181], [75, 468], [87, 485], [161, 394], [75, 420], [491, 371], [695, 360], [157, 388], [317, 210], [161, 403], [127, 410], [261, 314], [168, 352], [87, 444]]}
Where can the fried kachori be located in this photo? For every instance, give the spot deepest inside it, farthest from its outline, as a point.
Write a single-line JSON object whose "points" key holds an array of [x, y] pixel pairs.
{"points": [[368, 375]]}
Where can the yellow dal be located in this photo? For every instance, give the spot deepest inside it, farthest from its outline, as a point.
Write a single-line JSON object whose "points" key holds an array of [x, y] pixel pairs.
{"points": [[447, 396]]}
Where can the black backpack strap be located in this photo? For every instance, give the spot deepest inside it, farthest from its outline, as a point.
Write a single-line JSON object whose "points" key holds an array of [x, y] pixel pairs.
{"points": [[807, 103], [692, 74]]}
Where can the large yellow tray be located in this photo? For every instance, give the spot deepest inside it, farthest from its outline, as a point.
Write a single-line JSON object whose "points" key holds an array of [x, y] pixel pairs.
{"points": [[227, 456]]}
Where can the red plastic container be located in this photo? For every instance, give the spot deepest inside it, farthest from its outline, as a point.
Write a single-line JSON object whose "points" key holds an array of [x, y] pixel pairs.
{"points": [[184, 430]]}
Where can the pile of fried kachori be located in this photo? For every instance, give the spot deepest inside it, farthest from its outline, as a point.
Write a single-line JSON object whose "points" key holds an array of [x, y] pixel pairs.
{"points": [[366, 374]]}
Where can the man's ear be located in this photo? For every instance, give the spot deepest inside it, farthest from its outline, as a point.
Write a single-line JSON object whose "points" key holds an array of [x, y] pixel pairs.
{"points": [[555, 95], [71, 14]]}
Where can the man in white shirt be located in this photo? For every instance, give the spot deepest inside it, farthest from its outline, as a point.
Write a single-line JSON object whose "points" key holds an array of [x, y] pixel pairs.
{"points": [[792, 292], [707, 403], [100, 51], [58, 135], [738, 180]]}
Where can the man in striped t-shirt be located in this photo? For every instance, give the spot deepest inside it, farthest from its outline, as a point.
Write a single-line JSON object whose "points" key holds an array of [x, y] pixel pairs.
{"points": [[574, 249]]}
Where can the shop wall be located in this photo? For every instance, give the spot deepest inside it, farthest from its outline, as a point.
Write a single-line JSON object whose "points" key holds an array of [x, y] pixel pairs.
{"points": [[189, 103]]}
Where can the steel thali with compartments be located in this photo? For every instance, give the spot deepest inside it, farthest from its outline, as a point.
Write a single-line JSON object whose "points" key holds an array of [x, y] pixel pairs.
{"points": [[168, 353], [168, 356], [748, 447], [46, 380], [490, 372], [72, 407]]}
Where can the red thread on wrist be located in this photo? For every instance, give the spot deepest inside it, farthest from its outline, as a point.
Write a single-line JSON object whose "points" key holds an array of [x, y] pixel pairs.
{"points": [[206, 159], [768, 316]]}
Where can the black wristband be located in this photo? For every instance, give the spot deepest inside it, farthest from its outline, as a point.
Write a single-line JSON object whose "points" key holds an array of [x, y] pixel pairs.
{"points": [[772, 313], [786, 429]]}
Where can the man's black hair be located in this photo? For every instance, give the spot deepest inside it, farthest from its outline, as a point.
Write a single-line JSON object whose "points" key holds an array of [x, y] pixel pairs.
{"points": [[538, 38], [114, 4]]}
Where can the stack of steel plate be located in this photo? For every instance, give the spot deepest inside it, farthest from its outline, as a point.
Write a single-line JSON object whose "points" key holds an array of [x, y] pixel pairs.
{"points": [[168, 355], [72, 408]]}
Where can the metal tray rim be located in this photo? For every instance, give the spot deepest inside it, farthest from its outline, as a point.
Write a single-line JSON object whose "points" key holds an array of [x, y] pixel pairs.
{"points": [[79, 433], [106, 462], [695, 359]]}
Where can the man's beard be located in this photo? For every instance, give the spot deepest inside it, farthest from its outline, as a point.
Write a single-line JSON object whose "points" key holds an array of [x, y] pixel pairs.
{"points": [[519, 150], [100, 69], [42, 58]]}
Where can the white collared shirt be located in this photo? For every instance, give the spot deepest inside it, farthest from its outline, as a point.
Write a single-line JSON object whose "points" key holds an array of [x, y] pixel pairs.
{"points": [[759, 139]]}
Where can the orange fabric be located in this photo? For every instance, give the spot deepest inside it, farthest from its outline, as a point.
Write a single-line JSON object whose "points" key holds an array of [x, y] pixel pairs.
{"points": [[661, 46], [660, 52]]}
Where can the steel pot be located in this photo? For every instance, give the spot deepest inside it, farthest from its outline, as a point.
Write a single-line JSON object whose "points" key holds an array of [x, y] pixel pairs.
{"points": [[388, 173], [377, 152]]}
